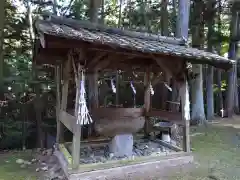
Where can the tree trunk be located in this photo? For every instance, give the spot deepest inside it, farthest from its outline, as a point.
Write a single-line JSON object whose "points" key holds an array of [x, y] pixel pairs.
{"points": [[164, 18], [102, 12], [180, 31], [93, 76], [2, 20], [219, 103], [232, 75], [209, 80], [164, 32], [198, 113], [55, 7]]}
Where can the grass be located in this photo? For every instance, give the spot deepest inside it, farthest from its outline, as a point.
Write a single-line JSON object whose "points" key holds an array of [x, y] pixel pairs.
{"points": [[10, 170], [216, 152]]}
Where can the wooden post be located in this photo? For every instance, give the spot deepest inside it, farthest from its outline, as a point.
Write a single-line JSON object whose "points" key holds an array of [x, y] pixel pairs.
{"points": [[117, 89], [92, 94], [63, 104], [76, 143], [147, 100], [59, 137], [185, 105]]}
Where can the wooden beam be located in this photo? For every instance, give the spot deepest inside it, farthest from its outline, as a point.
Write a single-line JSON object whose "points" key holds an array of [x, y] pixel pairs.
{"points": [[185, 105], [96, 60], [68, 120], [156, 78], [168, 145], [168, 72], [165, 115], [147, 100]]}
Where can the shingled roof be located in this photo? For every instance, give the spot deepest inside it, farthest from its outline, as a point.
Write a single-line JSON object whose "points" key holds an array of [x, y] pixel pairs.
{"points": [[129, 40]]}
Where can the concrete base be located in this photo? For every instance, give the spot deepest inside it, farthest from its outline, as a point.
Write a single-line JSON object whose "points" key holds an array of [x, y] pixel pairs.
{"points": [[121, 145], [147, 167], [148, 170]]}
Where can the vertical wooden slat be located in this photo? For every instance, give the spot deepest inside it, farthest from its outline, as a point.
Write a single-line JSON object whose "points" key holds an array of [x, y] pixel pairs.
{"points": [[185, 105], [58, 99], [66, 76], [147, 100], [63, 103]]}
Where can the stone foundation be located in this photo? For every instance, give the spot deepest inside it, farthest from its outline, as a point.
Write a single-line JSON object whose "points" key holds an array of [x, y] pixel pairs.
{"points": [[121, 145]]}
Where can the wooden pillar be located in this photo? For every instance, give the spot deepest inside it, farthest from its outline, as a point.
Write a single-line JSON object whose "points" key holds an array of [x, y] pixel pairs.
{"points": [[147, 100], [76, 143], [63, 103], [93, 89], [59, 137], [117, 89], [92, 94], [185, 105]]}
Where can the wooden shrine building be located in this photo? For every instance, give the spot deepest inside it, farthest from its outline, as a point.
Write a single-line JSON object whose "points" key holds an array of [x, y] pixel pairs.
{"points": [[79, 48]]}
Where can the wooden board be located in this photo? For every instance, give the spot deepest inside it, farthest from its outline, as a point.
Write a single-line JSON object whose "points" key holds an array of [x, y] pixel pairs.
{"points": [[166, 115], [68, 120], [110, 113]]}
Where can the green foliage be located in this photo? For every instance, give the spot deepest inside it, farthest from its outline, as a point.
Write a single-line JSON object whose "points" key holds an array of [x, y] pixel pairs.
{"points": [[140, 15]]}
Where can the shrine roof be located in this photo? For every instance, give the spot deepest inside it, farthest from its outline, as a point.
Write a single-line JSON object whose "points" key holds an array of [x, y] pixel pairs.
{"points": [[146, 43]]}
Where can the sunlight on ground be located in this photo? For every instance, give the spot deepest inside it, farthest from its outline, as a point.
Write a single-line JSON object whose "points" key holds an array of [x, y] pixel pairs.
{"points": [[216, 152]]}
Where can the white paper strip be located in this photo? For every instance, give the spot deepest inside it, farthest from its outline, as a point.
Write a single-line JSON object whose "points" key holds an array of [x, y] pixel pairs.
{"points": [[113, 86], [83, 116], [151, 90], [133, 88], [168, 87]]}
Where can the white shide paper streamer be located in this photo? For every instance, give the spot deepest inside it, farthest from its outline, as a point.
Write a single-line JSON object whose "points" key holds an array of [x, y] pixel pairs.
{"points": [[133, 88], [83, 116], [113, 86]]}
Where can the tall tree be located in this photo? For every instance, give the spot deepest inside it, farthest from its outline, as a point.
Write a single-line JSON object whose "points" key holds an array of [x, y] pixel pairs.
{"points": [[164, 32], [210, 13], [219, 99], [232, 54], [197, 113], [2, 20], [164, 18], [93, 76]]}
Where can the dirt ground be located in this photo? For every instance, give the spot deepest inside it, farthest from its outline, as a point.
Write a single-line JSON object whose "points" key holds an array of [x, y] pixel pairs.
{"points": [[216, 150]]}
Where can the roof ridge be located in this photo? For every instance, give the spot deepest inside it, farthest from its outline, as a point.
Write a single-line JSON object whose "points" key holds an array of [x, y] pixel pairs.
{"points": [[111, 30]]}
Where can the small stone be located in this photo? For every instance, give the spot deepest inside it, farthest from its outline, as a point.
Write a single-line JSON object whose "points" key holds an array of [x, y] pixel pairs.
{"points": [[23, 166], [19, 161], [45, 168], [44, 152], [102, 159], [27, 162], [60, 177], [111, 155], [34, 160], [37, 170], [49, 152], [39, 150], [92, 156], [43, 164]]}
